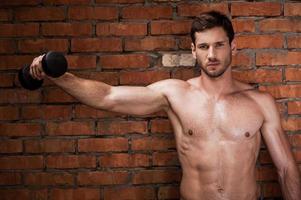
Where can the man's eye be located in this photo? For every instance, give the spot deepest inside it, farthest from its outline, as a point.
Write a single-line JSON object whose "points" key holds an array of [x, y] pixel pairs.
{"points": [[203, 47], [219, 44]]}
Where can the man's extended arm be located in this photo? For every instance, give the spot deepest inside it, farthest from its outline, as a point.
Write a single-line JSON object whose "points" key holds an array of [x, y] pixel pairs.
{"points": [[280, 151], [123, 99]]}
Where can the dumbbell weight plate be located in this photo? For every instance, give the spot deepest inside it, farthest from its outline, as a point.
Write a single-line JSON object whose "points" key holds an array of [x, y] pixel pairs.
{"points": [[54, 64], [27, 81]]}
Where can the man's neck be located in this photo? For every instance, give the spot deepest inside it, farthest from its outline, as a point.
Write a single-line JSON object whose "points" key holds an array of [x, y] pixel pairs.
{"points": [[217, 87]]}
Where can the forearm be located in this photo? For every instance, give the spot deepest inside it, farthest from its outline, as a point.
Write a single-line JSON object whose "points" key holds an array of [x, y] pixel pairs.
{"points": [[290, 183], [92, 93]]}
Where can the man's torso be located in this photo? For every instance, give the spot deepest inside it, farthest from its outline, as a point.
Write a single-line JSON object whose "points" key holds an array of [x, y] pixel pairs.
{"points": [[218, 141]]}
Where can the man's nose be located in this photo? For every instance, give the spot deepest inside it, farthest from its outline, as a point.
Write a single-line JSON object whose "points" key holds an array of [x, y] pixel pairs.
{"points": [[211, 53]]}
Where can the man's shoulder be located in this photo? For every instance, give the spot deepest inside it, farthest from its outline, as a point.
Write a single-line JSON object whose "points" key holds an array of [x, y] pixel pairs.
{"points": [[170, 83]]}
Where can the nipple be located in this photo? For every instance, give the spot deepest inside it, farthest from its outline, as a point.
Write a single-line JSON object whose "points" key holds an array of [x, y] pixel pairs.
{"points": [[190, 132], [247, 134]]}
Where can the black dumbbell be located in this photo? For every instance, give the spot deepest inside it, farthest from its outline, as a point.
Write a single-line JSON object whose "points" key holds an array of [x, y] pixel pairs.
{"points": [[54, 64]]}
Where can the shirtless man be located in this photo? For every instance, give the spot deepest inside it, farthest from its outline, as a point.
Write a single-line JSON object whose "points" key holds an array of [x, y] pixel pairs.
{"points": [[218, 121]]}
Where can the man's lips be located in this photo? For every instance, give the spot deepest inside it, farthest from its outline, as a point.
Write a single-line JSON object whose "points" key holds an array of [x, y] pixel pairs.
{"points": [[213, 63]]}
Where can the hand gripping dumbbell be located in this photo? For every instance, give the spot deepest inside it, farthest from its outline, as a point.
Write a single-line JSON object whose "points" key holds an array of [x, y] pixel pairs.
{"points": [[54, 64]]}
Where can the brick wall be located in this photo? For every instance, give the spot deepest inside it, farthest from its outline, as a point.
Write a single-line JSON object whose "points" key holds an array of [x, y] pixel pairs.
{"points": [[52, 147]]}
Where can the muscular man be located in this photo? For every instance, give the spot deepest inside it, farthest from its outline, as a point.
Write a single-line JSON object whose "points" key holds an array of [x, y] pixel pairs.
{"points": [[218, 121]]}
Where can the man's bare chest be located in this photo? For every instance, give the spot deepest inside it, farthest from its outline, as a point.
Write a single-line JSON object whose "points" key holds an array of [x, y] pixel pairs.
{"points": [[230, 118]]}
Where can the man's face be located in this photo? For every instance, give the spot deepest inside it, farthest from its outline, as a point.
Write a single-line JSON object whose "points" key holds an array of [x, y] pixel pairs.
{"points": [[212, 51]]}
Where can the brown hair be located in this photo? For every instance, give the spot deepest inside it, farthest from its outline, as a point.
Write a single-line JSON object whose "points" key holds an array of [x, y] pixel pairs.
{"points": [[210, 20]]}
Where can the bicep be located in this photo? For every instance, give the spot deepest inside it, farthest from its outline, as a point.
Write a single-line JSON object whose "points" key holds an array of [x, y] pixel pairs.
{"points": [[136, 100]]}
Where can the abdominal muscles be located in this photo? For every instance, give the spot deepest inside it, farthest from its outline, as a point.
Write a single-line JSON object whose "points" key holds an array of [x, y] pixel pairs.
{"points": [[218, 169]]}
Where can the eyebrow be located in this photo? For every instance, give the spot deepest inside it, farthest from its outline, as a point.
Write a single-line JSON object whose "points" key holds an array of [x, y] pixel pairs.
{"points": [[223, 41]]}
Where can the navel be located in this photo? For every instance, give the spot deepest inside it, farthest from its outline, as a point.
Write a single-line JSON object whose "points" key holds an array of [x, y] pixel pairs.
{"points": [[247, 134], [190, 132]]}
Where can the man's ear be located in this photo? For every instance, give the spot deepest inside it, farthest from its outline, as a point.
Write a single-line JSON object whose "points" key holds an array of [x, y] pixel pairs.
{"points": [[193, 50], [233, 48]]}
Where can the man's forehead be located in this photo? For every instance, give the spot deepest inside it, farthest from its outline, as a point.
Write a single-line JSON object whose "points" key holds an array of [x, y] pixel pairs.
{"points": [[213, 35]]}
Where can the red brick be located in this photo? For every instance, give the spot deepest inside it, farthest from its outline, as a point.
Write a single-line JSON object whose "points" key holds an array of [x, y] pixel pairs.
{"points": [[291, 124], [170, 27], [21, 162], [295, 140], [11, 146], [124, 61], [49, 146], [7, 46], [7, 80], [102, 144], [165, 159], [283, 91], [19, 30], [195, 9], [82, 111], [70, 128], [147, 12], [265, 158], [278, 58], [153, 143], [150, 44], [102, 178], [294, 41], [70, 161], [183, 74], [81, 62], [280, 25], [96, 45], [6, 15], [66, 29], [9, 113], [75, 194], [293, 74], [40, 14], [55, 112], [111, 78], [259, 76], [66, 2], [161, 126], [20, 2], [259, 41], [169, 192], [121, 29], [120, 1], [14, 62], [133, 193], [294, 107], [125, 160], [297, 155], [292, 9], [256, 9], [266, 174], [156, 176], [142, 78], [121, 127], [271, 190], [48, 179], [243, 25], [12, 96], [24, 194], [242, 59], [20, 129], [185, 43], [43, 45], [93, 13], [10, 178]]}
